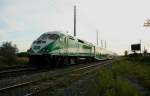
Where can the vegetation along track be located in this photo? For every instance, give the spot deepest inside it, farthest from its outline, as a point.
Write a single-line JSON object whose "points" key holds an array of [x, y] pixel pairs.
{"points": [[47, 80]]}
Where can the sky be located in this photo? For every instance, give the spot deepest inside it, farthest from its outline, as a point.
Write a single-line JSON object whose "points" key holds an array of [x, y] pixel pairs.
{"points": [[119, 22]]}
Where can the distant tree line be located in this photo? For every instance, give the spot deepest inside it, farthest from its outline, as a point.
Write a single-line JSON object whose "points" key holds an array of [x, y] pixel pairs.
{"points": [[22, 54], [8, 52]]}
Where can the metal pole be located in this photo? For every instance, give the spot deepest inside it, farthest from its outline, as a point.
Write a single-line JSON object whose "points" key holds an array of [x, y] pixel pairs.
{"points": [[140, 46], [97, 37], [105, 43], [102, 43], [75, 20]]}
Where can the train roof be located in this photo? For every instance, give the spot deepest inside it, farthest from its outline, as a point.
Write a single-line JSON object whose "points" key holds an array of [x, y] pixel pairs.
{"points": [[61, 33], [54, 32]]}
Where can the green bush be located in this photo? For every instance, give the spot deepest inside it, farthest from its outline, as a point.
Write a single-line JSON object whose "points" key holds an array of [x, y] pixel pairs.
{"points": [[22, 54], [8, 52], [108, 83]]}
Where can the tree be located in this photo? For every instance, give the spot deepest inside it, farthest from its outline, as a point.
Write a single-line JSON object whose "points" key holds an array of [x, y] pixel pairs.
{"points": [[8, 51], [126, 53], [22, 54], [145, 52]]}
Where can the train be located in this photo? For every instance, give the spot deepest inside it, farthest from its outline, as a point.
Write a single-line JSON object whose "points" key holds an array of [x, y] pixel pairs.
{"points": [[56, 49]]}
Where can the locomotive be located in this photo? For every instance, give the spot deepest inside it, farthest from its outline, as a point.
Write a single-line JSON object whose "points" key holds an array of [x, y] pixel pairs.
{"points": [[55, 48]]}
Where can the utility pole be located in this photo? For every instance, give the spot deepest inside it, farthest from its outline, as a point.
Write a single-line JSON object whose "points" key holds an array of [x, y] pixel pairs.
{"points": [[146, 24], [140, 46], [97, 37], [105, 43], [102, 43], [74, 20]]}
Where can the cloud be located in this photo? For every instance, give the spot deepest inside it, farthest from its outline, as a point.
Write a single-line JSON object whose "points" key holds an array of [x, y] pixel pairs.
{"points": [[11, 25], [119, 22]]}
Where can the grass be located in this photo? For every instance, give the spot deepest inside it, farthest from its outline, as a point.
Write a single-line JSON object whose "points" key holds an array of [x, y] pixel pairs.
{"points": [[139, 68], [113, 80], [142, 73], [108, 83]]}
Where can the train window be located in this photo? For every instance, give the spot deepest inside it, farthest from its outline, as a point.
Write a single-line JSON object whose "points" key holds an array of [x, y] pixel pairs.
{"points": [[53, 36], [34, 42], [49, 36], [80, 41], [71, 38], [38, 42], [43, 41], [42, 37]]}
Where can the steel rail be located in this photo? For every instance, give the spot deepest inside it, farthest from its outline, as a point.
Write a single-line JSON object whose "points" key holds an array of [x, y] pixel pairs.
{"points": [[95, 65], [29, 82], [16, 70]]}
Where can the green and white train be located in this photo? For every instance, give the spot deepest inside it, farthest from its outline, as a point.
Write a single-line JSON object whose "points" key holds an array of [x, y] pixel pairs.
{"points": [[55, 48]]}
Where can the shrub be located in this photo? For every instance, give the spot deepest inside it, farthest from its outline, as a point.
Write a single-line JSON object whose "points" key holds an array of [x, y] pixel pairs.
{"points": [[22, 54], [8, 52]]}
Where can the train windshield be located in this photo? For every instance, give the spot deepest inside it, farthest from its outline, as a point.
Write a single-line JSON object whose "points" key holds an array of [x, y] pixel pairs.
{"points": [[49, 36]]}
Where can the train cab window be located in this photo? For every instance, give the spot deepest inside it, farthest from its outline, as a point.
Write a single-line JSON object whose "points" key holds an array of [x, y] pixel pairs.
{"points": [[34, 42], [42, 37], [49, 36], [39, 42], [43, 41], [53, 36]]}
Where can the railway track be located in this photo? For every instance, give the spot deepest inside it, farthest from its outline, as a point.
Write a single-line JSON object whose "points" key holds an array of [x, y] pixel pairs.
{"points": [[16, 72], [52, 77]]}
